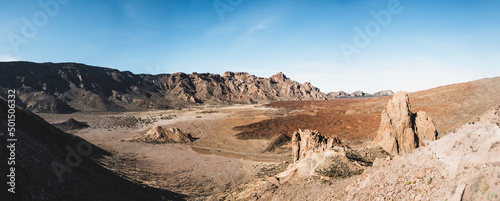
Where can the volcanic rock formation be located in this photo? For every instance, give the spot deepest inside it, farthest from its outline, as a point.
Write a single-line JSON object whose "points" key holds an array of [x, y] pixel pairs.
{"points": [[316, 155], [307, 141], [401, 130], [159, 134]]}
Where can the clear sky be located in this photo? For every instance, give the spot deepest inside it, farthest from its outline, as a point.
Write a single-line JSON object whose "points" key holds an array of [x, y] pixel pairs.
{"points": [[336, 45]]}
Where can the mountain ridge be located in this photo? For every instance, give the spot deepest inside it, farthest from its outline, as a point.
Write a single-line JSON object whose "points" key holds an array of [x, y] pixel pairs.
{"points": [[70, 87]]}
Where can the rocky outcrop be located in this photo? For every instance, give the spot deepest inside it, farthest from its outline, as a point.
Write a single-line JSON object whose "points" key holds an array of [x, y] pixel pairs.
{"points": [[315, 155], [401, 130], [307, 141], [71, 124], [159, 134], [69, 87], [424, 128], [358, 94]]}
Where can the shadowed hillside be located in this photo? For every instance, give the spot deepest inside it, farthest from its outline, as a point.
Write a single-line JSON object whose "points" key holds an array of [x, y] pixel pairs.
{"points": [[40, 147]]}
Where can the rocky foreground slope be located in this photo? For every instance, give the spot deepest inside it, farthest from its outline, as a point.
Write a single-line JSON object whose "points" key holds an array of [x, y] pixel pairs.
{"points": [[464, 165], [54, 165]]}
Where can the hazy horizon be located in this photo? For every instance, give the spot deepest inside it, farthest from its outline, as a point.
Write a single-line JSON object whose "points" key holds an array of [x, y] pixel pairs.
{"points": [[335, 45]]}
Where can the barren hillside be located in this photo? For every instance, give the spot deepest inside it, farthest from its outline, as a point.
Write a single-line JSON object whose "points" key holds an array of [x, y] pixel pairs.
{"points": [[358, 119], [40, 147]]}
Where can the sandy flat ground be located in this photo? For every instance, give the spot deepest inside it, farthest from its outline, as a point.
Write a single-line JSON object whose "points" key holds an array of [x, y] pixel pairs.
{"points": [[215, 162]]}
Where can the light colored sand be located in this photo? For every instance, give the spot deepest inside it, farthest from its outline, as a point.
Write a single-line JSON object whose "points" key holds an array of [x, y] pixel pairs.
{"points": [[215, 162]]}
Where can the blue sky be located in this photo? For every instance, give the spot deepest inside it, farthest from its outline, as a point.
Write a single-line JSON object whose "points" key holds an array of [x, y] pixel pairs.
{"points": [[424, 44]]}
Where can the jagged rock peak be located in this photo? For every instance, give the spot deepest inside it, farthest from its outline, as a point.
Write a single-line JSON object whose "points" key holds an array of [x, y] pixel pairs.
{"points": [[307, 141], [279, 77], [235, 74], [401, 130]]}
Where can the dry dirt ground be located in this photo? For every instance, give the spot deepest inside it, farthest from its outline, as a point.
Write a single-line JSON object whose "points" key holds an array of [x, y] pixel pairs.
{"points": [[228, 155], [216, 162]]}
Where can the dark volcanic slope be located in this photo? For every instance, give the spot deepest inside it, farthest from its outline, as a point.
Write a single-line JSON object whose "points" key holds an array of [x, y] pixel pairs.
{"points": [[40, 144], [68, 87]]}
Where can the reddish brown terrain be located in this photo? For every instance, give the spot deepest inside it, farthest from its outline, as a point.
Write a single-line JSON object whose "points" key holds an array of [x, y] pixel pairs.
{"points": [[357, 119]]}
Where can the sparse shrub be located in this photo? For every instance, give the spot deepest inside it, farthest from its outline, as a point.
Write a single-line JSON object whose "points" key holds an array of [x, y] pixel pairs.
{"points": [[353, 156], [492, 195], [168, 117], [427, 180], [324, 181], [484, 187], [208, 111], [125, 122], [340, 169]]}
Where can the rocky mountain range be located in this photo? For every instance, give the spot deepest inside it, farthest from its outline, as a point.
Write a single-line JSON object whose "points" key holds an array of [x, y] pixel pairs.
{"points": [[358, 94], [70, 87]]}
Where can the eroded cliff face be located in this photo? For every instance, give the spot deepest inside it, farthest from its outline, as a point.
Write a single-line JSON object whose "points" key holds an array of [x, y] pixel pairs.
{"points": [[307, 142], [69, 87], [401, 130]]}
